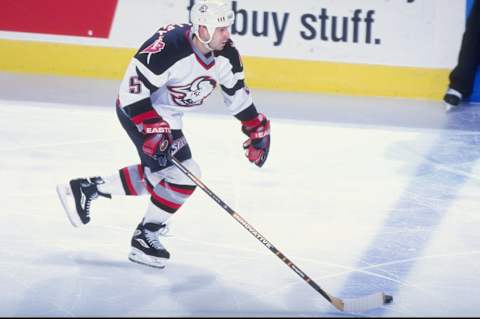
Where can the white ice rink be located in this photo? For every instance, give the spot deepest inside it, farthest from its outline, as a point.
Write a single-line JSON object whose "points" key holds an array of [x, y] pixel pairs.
{"points": [[363, 194]]}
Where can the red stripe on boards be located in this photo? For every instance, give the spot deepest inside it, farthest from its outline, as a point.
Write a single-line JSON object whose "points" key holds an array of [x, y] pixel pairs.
{"points": [[86, 18]]}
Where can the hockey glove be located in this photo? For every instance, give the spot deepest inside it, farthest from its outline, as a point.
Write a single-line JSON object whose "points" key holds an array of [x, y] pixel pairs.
{"points": [[258, 143], [158, 140]]}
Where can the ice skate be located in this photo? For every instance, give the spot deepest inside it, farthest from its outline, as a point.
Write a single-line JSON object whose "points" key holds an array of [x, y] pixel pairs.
{"points": [[146, 247], [77, 196]]}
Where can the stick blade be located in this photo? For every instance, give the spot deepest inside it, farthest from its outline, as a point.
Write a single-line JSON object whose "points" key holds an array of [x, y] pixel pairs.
{"points": [[366, 303]]}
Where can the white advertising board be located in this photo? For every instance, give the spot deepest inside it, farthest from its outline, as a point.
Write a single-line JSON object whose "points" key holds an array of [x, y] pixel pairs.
{"points": [[416, 33]]}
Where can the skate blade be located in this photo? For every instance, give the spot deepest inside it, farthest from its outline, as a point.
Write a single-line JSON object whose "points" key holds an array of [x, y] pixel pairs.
{"points": [[139, 257], [449, 107], [68, 202]]}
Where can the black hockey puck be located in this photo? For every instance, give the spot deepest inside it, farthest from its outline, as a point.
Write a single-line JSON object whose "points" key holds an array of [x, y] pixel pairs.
{"points": [[387, 299]]}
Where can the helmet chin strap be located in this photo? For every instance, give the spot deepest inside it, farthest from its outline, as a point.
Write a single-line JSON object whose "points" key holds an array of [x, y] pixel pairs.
{"points": [[206, 43]]}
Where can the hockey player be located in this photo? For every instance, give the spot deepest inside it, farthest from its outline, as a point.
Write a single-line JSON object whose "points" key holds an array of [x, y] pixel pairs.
{"points": [[172, 72]]}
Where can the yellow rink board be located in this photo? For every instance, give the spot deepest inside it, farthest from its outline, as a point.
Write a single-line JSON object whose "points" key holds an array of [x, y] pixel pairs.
{"points": [[265, 73]]}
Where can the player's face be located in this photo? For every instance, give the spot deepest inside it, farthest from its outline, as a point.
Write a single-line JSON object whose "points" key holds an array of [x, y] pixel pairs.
{"points": [[220, 38]]}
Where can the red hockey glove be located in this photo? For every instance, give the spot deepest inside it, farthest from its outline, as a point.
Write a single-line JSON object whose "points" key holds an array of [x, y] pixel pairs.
{"points": [[158, 140], [258, 144]]}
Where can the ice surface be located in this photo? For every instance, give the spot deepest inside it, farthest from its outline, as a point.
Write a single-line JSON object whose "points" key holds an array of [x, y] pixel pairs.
{"points": [[363, 194]]}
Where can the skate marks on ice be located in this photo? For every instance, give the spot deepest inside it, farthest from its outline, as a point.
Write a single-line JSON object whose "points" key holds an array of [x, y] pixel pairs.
{"points": [[422, 253], [88, 284], [51, 271], [445, 184]]}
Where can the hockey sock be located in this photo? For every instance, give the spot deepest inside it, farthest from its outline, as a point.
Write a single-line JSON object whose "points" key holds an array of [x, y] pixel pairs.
{"points": [[132, 180], [166, 198], [128, 181]]}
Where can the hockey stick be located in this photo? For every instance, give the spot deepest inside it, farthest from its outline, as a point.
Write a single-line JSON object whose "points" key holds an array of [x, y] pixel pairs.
{"points": [[350, 305]]}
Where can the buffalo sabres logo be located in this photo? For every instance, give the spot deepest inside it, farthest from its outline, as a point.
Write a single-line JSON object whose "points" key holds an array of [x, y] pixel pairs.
{"points": [[158, 45], [194, 93], [155, 47]]}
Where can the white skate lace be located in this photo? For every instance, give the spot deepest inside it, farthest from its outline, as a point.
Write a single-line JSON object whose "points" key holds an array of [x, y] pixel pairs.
{"points": [[152, 237], [88, 197], [88, 202]]}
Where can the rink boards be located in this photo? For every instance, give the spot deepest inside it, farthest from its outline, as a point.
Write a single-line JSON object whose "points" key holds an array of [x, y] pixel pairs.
{"points": [[376, 48]]}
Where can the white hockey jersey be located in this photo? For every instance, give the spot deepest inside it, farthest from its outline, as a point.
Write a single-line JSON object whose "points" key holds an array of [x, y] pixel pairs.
{"points": [[169, 75]]}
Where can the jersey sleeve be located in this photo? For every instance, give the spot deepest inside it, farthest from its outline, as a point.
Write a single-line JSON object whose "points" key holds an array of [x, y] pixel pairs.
{"points": [[134, 95], [235, 93], [149, 70]]}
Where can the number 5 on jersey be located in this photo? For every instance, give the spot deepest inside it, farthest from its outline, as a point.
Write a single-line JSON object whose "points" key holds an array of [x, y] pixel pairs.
{"points": [[135, 85]]}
